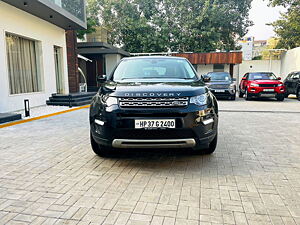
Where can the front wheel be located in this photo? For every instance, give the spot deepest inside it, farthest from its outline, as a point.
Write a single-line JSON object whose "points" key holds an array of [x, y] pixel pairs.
{"points": [[247, 96], [233, 97], [100, 150], [212, 146], [241, 94], [280, 98], [298, 94]]}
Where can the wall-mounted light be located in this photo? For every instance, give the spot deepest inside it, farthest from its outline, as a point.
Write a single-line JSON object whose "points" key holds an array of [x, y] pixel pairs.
{"points": [[25, 4], [51, 17]]}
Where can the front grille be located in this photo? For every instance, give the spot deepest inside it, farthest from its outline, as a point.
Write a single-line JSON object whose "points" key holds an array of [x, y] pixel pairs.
{"points": [[219, 86], [153, 102], [268, 85]]}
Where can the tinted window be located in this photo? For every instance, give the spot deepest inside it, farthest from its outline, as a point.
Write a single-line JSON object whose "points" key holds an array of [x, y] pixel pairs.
{"points": [[296, 76], [219, 76], [151, 68], [262, 76]]}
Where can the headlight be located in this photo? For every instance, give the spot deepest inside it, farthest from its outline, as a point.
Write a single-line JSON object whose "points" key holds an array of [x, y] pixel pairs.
{"points": [[109, 101], [199, 100], [254, 85]]}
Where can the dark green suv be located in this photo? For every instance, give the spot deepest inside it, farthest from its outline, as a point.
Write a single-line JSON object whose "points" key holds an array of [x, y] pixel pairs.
{"points": [[292, 83]]}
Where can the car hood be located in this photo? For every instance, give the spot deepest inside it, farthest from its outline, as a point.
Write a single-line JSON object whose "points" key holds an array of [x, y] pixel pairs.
{"points": [[154, 89], [266, 81]]}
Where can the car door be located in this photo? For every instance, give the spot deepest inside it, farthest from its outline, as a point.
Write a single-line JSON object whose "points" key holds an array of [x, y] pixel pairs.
{"points": [[295, 81], [288, 83], [243, 84]]}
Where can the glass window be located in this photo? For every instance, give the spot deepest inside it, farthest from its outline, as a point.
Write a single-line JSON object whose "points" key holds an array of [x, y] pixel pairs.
{"points": [[75, 7], [262, 76], [59, 69], [23, 65], [154, 68], [219, 76], [219, 67]]}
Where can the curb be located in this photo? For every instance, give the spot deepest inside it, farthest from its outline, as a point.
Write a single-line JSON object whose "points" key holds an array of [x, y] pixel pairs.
{"points": [[42, 117]]}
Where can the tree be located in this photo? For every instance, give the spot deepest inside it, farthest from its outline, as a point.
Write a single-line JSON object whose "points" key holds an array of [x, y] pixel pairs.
{"points": [[287, 27], [91, 24], [176, 25], [92, 19]]}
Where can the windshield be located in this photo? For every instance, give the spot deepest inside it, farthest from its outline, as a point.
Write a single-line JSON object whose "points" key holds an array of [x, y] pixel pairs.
{"points": [[151, 68], [219, 76], [262, 76]]}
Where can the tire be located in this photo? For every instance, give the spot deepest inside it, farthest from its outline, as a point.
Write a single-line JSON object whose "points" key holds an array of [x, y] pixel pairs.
{"points": [[212, 146], [100, 150], [298, 94], [241, 95], [286, 95], [233, 97], [280, 97], [247, 96]]}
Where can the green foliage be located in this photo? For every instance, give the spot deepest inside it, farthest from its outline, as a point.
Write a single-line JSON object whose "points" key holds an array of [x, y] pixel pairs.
{"points": [[91, 23], [257, 57], [176, 25], [287, 27]]}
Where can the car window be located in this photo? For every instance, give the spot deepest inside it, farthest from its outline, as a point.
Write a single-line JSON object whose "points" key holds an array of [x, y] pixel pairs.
{"points": [[296, 76], [219, 76], [143, 68], [262, 76], [290, 76]]}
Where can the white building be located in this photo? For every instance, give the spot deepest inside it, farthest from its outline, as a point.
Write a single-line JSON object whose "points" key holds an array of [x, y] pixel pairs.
{"points": [[33, 56]]}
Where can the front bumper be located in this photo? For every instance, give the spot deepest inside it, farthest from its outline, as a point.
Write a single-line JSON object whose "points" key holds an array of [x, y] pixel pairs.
{"points": [[116, 128], [223, 92], [266, 91]]}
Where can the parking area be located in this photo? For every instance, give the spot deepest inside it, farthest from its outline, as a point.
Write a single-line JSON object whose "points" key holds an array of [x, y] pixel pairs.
{"points": [[49, 174]]}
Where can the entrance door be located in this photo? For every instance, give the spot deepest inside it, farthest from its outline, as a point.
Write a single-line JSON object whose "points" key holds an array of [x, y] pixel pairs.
{"points": [[59, 70]]}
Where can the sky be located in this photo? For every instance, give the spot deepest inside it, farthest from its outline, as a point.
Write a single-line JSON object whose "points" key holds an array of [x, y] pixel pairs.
{"points": [[261, 14]]}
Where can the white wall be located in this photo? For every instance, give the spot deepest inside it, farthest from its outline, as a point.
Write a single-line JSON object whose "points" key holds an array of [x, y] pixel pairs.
{"points": [[204, 69], [21, 23], [259, 66], [111, 61], [290, 62]]}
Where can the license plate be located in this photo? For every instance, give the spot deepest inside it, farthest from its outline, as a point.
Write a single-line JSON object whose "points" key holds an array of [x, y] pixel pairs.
{"points": [[219, 91], [269, 90], [149, 124]]}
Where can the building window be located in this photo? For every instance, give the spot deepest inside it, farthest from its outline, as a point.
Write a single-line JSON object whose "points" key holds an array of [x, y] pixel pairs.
{"points": [[59, 70], [219, 67], [23, 65]]}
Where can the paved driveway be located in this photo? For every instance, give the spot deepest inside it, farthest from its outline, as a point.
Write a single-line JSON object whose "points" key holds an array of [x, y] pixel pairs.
{"points": [[49, 175]]}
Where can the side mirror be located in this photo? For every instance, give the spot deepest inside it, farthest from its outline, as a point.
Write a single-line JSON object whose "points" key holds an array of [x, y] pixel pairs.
{"points": [[206, 79], [101, 79], [244, 78], [279, 78]]}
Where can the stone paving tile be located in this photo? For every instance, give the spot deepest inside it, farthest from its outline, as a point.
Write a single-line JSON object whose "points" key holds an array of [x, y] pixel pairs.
{"points": [[49, 175]]}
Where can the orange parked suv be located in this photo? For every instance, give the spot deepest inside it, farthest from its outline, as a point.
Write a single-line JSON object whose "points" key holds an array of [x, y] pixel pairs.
{"points": [[261, 84]]}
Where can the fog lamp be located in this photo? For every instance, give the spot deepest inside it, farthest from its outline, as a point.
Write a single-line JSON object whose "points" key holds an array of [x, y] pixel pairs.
{"points": [[99, 122]]}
